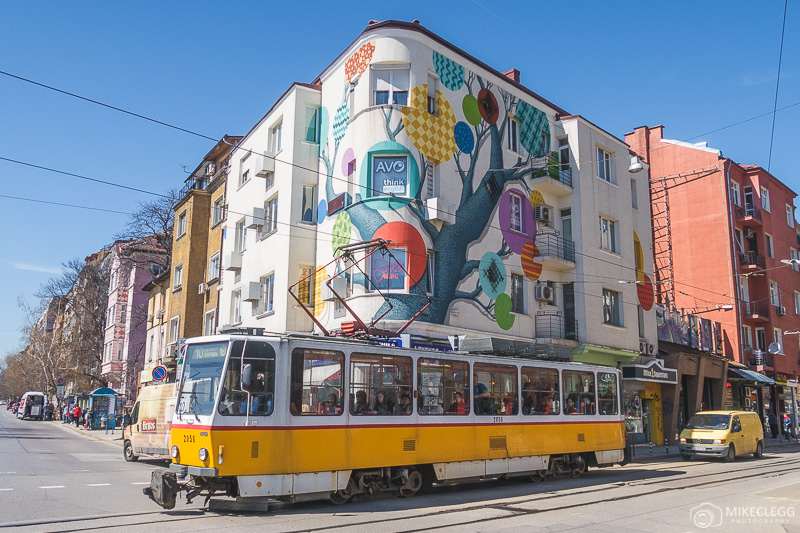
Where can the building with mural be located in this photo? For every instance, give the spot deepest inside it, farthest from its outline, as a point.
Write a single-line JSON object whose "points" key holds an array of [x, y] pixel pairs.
{"points": [[414, 192], [721, 234]]}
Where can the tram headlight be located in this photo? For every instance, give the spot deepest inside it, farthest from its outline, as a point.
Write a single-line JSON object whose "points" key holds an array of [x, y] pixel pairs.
{"points": [[683, 441], [174, 452], [203, 454]]}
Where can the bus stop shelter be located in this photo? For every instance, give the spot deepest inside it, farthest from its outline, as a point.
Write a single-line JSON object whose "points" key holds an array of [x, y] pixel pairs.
{"points": [[103, 402]]}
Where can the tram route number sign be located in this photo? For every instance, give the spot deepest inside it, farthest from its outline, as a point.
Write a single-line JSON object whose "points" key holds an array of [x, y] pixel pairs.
{"points": [[159, 373]]}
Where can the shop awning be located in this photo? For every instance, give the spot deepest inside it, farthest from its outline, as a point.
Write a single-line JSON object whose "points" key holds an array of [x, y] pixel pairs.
{"points": [[749, 375]]}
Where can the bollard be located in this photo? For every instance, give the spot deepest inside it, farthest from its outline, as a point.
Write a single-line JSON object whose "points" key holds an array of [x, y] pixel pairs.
{"points": [[651, 447], [666, 445]]}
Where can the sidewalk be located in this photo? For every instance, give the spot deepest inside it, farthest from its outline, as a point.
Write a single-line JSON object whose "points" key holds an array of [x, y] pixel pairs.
{"points": [[114, 437], [643, 453]]}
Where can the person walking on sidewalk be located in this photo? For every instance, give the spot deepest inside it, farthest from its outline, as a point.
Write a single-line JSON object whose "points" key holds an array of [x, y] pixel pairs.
{"points": [[773, 424], [76, 415], [88, 422]]}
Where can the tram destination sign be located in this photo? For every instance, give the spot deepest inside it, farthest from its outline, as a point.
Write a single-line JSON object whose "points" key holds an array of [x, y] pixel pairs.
{"points": [[653, 371]]}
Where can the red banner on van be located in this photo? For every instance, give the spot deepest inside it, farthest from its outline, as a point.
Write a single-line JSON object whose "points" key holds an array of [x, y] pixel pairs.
{"points": [[149, 425]]}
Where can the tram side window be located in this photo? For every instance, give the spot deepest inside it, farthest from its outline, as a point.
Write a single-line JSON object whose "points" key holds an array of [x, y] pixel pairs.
{"points": [[442, 387], [317, 382], [579, 393], [261, 358], [380, 385], [495, 389], [540, 391], [607, 400]]}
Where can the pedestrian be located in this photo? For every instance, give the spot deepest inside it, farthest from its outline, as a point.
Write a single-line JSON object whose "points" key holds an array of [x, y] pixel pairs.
{"points": [[88, 421], [772, 420], [76, 416]]}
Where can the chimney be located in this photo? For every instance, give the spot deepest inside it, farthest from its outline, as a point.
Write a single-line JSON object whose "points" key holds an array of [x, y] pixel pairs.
{"points": [[512, 74]]}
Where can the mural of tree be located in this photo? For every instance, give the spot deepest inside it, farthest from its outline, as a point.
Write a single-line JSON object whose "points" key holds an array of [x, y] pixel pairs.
{"points": [[439, 138]]}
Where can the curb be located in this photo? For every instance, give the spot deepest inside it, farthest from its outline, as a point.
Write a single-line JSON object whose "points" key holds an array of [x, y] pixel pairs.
{"points": [[97, 435]]}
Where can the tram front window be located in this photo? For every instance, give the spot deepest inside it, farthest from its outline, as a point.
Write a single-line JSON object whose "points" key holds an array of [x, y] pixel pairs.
{"points": [[202, 368], [261, 358]]}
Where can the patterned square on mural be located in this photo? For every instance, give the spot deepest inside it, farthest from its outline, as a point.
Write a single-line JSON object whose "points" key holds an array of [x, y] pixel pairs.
{"points": [[494, 275]]}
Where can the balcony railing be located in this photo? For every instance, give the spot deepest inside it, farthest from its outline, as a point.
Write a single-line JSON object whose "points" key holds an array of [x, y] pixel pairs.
{"points": [[553, 325], [748, 211], [554, 169], [760, 358], [751, 259], [755, 309], [550, 244]]}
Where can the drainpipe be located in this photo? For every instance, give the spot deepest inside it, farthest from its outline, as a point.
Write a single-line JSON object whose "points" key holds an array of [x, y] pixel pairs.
{"points": [[735, 268]]}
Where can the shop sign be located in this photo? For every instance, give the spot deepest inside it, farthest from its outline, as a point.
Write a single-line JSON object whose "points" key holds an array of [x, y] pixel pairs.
{"points": [[653, 371], [390, 174], [149, 425]]}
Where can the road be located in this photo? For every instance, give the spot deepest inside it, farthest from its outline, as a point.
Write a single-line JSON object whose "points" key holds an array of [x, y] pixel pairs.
{"points": [[55, 479]]}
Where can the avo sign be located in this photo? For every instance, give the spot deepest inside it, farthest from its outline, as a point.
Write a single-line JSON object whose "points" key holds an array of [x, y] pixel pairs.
{"points": [[390, 175]]}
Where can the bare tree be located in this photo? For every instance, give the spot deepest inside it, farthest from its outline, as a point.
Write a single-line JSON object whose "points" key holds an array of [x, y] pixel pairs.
{"points": [[153, 218]]}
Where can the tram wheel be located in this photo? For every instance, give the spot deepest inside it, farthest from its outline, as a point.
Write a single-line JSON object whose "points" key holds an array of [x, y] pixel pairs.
{"points": [[578, 467], [340, 497], [538, 476], [413, 484]]}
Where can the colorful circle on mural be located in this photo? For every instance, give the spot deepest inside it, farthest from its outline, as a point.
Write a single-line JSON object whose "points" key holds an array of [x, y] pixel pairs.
{"points": [[372, 188], [536, 198], [450, 73], [340, 121], [487, 105], [431, 134], [502, 311], [324, 124], [348, 162], [342, 230], [492, 275], [406, 236], [646, 293], [528, 257], [469, 105], [357, 63], [320, 277], [322, 211], [464, 139], [515, 214]]}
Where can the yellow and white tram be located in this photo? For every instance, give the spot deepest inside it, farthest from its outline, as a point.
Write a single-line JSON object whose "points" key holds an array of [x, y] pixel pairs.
{"points": [[300, 418]]}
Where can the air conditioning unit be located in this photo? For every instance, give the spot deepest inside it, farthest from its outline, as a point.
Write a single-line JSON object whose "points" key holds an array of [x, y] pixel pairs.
{"points": [[160, 314], [749, 233], [651, 349], [542, 213], [251, 291], [232, 260], [781, 310], [264, 164], [255, 218], [202, 288], [543, 292], [642, 347], [338, 284]]}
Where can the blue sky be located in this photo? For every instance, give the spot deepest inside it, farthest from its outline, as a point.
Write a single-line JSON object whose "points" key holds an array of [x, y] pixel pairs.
{"points": [[216, 67]]}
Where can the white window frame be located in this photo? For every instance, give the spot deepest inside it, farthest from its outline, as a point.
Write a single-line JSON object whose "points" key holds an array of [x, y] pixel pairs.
{"points": [[518, 285], [563, 153], [182, 224], [312, 114], [747, 338], [512, 142], [516, 220], [604, 166], [236, 307], [174, 329], [432, 87], [774, 293], [213, 266], [777, 336], [306, 201], [244, 169], [270, 216], [394, 85], [266, 300], [612, 308], [793, 255], [634, 195], [240, 237], [276, 138], [218, 211], [765, 199], [177, 277], [736, 194], [770, 245], [797, 303], [790, 215], [609, 235], [209, 319]]}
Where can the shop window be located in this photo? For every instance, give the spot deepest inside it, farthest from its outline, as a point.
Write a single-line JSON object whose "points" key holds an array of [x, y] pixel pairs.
{"points": [[579, 393], [442, 387], [540, 391], [494, 389], [380, 385], [317, 380], [260, 357], [608, 399]]}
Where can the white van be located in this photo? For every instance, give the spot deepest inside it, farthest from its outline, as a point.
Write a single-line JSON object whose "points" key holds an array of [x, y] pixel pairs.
{"points": [[31, 406], [150, 423]]}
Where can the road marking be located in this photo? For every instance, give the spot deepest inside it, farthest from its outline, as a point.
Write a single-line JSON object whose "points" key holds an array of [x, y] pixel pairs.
{"points": [[12, 472], [141, 483], [6, 489], [98, 484], [52, 487], [81, 470]]}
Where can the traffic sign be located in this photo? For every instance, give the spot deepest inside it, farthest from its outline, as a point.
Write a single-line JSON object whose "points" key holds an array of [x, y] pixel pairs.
{"points": [[59, 381], [159, 373]]}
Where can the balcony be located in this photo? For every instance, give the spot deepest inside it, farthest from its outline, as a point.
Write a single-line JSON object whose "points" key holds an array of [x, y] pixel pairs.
{"points": [[556, 252], [551, 177], [749, 261], [748, 213], [757, 311], [552, 325], [759, 359]]}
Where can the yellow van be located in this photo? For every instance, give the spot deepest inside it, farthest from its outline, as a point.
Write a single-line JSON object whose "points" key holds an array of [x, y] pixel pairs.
{"points": [[722, 434], [148, 432]]}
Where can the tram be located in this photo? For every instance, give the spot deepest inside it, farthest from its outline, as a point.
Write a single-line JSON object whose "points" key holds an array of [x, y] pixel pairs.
{"points": [[299, 418]]}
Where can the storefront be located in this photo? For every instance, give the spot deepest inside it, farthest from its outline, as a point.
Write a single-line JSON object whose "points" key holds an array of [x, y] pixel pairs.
{"points": [[642, 399]]}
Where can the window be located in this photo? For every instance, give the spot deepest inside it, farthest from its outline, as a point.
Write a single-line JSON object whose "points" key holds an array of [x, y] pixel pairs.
{"points": [[388, 272], [307, 206], [607, 396], [604, 166], [213, 267], [236, 307], [765, 199], [793, 255], [770, 246], [390, 86], [177, 279], [761, 339], [563, 153], [539, 391], [735, 194], [174, 322], [778, 337], [316, 387], [612, 308], [640, 316], [634, 195], [579, 397], [275, 138], [797, 302], [218, 212], [244, 169], [517, 294], [516, 220], [389, 175], [442, 387], [790, 215], [312, 124], [431, 272], [182, 224], [209, 322], [512, 142], [747, 337], [260, 357], [305, 291], [494, 389], [431, 94], [267, 294], [271, 209], [774, 297], [269, 181], [240, 237], [608, 235], [380, 385]]}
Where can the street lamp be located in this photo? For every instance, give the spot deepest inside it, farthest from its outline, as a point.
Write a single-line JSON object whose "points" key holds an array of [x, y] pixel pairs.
{"points": [[793, 262]]}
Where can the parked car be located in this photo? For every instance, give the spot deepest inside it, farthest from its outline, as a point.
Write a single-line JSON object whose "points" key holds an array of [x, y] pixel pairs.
{"points": [[723, 434]]}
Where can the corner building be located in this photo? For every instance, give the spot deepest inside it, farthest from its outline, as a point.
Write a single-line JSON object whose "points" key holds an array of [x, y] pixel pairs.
{"points": [[514, 218]]}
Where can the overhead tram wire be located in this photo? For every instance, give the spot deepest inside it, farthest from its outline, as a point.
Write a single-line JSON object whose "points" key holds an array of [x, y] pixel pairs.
{"points": [[63, 204], [777, 84]]}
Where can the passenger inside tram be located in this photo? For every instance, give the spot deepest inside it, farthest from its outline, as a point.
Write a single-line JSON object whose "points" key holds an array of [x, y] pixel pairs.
{"points": [[361, 405]]}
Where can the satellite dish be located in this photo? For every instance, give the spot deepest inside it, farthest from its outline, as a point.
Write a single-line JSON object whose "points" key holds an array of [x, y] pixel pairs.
{"points": [[774, 348]]}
